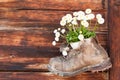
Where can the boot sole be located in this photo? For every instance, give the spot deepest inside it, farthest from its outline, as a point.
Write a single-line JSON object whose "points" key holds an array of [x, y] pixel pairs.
{"points": [[94, 68]]}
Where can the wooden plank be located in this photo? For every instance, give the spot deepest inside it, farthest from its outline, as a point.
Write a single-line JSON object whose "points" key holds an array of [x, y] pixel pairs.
{"points": [[114, 38], [27, 24], [50, 4], [49, 76], [37, 15], [38, 38], [32, 15], [26, 38], [26, 58]]}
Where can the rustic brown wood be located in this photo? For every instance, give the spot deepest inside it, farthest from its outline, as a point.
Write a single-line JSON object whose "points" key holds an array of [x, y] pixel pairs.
{"points": [[17, 54], [38, 38], [36, 15], [26, 33], [49, 76], [24, 38], [25, 58], [114, 38], [50, 4]]}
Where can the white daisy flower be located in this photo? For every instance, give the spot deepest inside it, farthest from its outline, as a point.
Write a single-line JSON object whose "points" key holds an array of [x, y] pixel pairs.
{"points": [[98, 16], [55, 31], [54, 43], [75, 14], [69, 18], [91, 16], [64, 18], [101, 21], [88, 11], [56, 38], [85, 23], [87, 17], [74, 18], [81, 13], [63, 31], [62, 22], [80, 17], [81, 37], [59, 29], [57, 34], [64, 53], [74, 22], [68, 15]]}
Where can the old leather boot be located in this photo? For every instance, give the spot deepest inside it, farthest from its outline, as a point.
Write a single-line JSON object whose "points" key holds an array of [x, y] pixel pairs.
{"points": [[88, 57]]}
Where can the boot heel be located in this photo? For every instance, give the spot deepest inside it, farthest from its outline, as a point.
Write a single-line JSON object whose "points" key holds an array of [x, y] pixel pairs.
{"points": [[102, 67]]}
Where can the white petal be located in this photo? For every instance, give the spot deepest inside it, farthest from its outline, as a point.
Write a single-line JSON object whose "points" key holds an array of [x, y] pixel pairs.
{"points": [[63, 31], [81, 37], [55, 31], [68, 18], [74, 18], [85, 23], [56, 38], [87, 17], [101, 21], [91, 16], [68, 15], [75, 14], [80, 17], [88, 11], [62, 22], [74, 22], [98, 16], [54, 43], [64, 53], [59, 29], [64, 18], [81, 13], [57, 34]]}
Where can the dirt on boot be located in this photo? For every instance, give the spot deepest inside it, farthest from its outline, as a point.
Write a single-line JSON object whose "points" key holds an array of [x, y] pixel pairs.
{"points": [[90, 56]]}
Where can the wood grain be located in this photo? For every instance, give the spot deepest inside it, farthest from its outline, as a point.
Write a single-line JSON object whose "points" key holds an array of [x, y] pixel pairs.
{"points": [[22, 55], [26, 33], [26, 58], [37, 16], [50, 4], [114, 39], [24, 43], [34, 38], [49, 76]]}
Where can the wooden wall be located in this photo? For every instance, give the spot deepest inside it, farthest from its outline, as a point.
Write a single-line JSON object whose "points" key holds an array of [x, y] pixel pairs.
{"points": [[114, 37], [26, 34]]}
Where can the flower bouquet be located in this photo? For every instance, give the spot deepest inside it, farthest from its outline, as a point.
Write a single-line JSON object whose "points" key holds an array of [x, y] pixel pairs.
{"points": [[85, 54], [76, 27]]}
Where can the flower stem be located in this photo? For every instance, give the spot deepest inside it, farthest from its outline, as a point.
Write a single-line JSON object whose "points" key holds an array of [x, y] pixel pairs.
{"points": [[90, 23], [96, 26], [74, 28], [62, 36]]}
